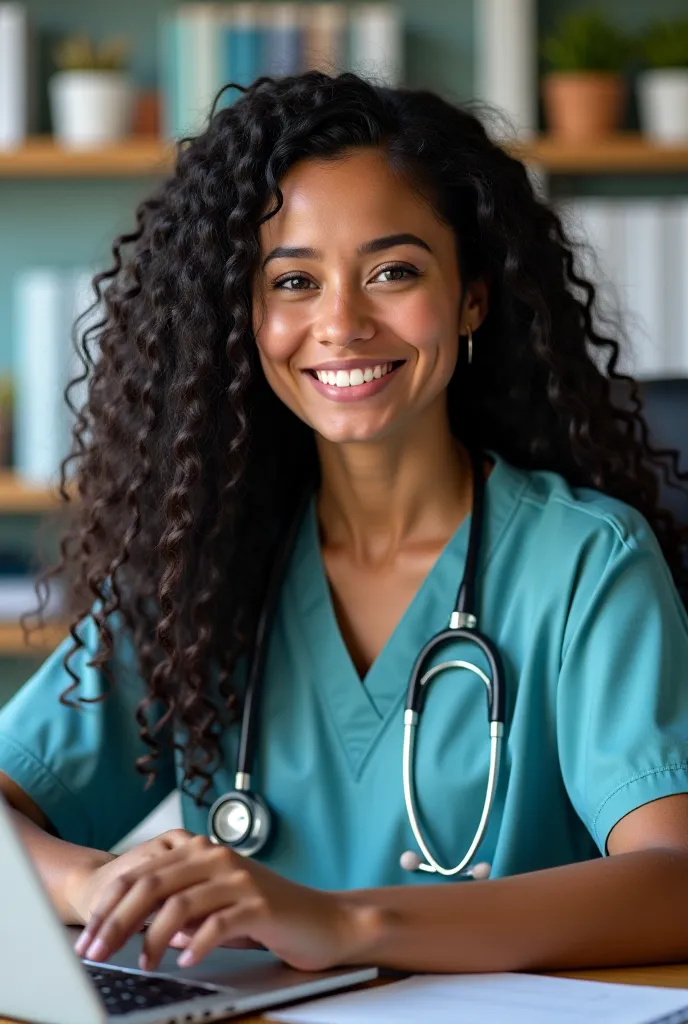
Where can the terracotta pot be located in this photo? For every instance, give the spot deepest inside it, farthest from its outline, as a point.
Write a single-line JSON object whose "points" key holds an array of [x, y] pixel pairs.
{"points": [[583, 105]]}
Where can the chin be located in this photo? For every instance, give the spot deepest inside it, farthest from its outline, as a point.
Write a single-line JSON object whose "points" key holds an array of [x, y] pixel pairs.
{"points": [[351, 433]]}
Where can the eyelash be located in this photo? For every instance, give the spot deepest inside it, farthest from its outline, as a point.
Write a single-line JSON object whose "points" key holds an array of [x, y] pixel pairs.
{"points": [[410, 271]]}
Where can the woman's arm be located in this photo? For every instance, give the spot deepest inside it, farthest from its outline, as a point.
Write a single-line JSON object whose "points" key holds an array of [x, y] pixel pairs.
{"points": [[629, 908], [59, 863]]}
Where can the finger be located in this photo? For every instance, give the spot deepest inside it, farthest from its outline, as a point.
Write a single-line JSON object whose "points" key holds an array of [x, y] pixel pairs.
{"points": [[183, 909], [223, 928], [128, 901], [175, 837], [163, 857]]}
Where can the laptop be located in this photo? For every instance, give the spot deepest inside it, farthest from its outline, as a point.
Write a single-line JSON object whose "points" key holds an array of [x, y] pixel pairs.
{"points": [[43, 980]]}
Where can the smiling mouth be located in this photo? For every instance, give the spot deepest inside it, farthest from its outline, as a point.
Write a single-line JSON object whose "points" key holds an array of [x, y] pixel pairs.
{"points": [[357, 375]]}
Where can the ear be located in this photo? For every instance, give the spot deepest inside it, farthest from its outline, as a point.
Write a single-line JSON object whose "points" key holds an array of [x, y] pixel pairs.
{"points": [[475, 304]]}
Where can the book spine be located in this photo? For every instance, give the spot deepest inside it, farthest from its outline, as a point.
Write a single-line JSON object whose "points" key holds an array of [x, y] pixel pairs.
{"points": [[81, 317], [642, 277], [325, 30], [282, 40], [202, 78], [14, 84], [243, 44], [376, 41], [507, 64], [169, 75], [38, 347], [683, 291]]}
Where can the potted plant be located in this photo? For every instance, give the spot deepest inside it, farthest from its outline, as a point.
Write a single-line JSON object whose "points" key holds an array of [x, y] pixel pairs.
{"points": [[6, 419], [663, 85], [91, 95], [584, 90]]}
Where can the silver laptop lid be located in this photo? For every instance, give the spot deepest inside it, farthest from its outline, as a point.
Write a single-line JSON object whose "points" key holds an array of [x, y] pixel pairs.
{"points": [[35, 945]]}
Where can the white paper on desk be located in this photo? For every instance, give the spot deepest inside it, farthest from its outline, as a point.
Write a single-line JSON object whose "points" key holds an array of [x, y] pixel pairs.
{"points": [[494, 999]]}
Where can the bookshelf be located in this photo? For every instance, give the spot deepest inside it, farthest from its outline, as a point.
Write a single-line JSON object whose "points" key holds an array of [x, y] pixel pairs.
{"points": [[17, 497], [626, 153], [43, 643]]}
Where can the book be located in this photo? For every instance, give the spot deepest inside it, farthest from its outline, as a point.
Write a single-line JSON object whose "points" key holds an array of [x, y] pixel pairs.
{"points": [[281, 51], [507, 77], [376, 42], [14, 75], [324, 28]]}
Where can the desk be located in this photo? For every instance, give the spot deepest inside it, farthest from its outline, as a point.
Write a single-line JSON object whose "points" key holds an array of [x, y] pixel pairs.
{"points": [[665, 976]]}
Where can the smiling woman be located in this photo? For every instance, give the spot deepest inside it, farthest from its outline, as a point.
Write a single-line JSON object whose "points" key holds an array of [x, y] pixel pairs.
{"points": [[350, 459]]}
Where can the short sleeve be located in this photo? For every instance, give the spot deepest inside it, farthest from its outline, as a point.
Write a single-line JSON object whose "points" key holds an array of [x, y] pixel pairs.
{"points": [[78, 764], [622, 700]]}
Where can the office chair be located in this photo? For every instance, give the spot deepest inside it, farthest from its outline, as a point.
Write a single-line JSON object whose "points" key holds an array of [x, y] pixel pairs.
{"points": [[665, 404]]}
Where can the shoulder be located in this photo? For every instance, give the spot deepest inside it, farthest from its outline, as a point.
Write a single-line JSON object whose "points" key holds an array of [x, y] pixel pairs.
{"points": [[551, 509]]}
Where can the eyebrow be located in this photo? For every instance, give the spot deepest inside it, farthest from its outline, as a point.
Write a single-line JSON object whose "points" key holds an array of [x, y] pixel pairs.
{"points": [[374, 245]]}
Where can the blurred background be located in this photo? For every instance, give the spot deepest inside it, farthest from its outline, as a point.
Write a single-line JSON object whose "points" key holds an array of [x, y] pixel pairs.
{"points": [[93, 93]]}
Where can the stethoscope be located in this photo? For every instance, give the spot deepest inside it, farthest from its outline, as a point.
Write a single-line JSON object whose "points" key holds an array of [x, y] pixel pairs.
{"points": [[241, 819]]}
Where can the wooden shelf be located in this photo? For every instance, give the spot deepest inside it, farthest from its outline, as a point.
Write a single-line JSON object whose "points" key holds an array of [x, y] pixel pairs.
{"points": [[43, 642], [40, 157], [17, 496], [619, 154]]}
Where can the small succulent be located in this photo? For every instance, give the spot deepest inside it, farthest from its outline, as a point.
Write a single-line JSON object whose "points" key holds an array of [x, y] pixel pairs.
{"points": [[664, 44], [586, 41], [79, 53], [6, 392]]}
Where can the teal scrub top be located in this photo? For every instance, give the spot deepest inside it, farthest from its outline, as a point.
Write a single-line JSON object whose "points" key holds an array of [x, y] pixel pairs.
{"points": [[573, 589]]}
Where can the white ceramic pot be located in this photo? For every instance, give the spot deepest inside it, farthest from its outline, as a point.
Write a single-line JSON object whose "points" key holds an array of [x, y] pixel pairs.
{"points": [[663, 104], [90, 108]]}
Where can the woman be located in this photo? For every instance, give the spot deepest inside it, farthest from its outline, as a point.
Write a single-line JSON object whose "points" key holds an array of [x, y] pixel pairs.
{"points": [[341, 297]]}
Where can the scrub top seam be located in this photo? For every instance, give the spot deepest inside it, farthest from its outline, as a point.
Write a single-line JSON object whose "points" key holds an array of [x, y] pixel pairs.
{"points": [[593, 513], [678, 766], [41, 769]]}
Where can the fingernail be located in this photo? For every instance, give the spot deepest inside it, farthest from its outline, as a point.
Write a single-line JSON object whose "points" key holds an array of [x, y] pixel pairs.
{"points": [[185, 959], [96, 950], [143, 962]]}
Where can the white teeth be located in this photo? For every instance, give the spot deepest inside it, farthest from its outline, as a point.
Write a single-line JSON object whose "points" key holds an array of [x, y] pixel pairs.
{"points": [[353, 378]]}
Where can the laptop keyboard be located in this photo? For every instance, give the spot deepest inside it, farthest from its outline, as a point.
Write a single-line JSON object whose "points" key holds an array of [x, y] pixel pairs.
{"points": [[124, 991]]}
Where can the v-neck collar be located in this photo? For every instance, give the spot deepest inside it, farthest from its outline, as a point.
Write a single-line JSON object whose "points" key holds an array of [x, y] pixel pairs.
{"points": [[361, 710]]}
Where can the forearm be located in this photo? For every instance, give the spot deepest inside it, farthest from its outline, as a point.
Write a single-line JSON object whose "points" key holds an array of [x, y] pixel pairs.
{"points": [[624, 909], [59, 863]]}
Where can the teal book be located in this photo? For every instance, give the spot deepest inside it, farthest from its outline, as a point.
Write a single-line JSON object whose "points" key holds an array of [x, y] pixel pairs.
{"points": [[242, 47]]}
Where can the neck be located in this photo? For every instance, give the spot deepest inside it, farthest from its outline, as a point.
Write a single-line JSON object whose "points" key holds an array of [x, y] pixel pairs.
{"points": [[411, 488]]}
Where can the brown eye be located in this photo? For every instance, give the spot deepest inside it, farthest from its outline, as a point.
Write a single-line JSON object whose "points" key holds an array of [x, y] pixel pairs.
{"points": [[395, 273], [292, 283]]}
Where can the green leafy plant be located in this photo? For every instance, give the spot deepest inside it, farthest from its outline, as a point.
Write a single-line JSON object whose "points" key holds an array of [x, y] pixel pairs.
{"points": [[6, 392], [664, 44], [586, 41], [79, 53]]}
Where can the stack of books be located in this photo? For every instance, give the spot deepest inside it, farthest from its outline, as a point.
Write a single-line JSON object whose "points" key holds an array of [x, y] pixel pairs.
{"points": [[46, 304], [205, 46], [637, 257]]}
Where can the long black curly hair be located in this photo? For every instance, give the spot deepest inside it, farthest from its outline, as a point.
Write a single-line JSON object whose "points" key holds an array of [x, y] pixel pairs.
{"points": [[185, 464]]}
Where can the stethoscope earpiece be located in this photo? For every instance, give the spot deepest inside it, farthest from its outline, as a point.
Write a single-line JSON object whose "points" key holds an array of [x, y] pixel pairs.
{"points": [[410, 861]]}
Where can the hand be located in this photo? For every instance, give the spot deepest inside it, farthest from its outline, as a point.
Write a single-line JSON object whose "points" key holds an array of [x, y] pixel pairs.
{"points": [[202, 896], [85, 887]]}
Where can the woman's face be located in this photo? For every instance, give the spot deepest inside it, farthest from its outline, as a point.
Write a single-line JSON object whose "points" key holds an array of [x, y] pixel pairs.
{"points": [[357, 300]]}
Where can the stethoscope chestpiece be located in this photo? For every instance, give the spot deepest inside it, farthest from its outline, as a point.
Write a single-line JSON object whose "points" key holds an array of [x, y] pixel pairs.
{"points": [[240, 820]]}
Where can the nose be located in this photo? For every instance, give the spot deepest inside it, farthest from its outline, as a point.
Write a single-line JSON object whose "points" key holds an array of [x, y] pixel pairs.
{"points": [[343, 318]]}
